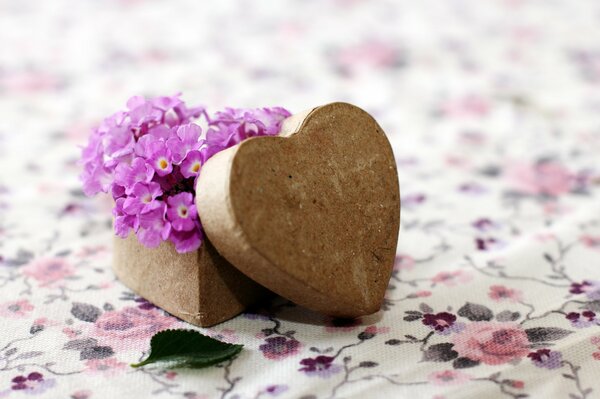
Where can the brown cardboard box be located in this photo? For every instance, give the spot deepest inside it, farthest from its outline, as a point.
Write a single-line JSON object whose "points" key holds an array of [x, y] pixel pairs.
{"points": [[200, 287]]}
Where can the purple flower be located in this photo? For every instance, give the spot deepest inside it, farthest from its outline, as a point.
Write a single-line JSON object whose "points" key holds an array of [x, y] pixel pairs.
{"points": [[277, 348], [182, 211], [545, 358], [138, 172], [187, 139], [186, 241], [440, 321], [149, 156], [190, 167], [153, 227], [118, 142], [123, 222], [321, 366], [34, 383], [160, 158], [143, 198]]}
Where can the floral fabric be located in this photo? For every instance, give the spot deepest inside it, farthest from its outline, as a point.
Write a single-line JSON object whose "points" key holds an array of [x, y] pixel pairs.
{"points": [[492, 110]]}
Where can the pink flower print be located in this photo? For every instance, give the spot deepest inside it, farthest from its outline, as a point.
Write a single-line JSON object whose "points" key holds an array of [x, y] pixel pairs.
{"points": [[81, 394], [596, 341], [467, 106], [592, 242], [452, 278], [404, 262], [549, 178], [130, 327], [419, 294], [377, 330], [448, 377], [492, 343], [501, 293], [49, 271], [16, 309], [369, 54]]}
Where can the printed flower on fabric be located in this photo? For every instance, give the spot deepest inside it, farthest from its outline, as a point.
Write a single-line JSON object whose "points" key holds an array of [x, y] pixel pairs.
{"points": [[545, 358], [404, 262], [277, 348], [49, 272], [16, 309], [452, 278], [448, 377], [442, 323], [320, 366], [590, 288], [596, 341], [149, 156], [500, 293], [590, 241], [550, 178], [492, 343], [587, 318], [130, 327], [33, 383]]}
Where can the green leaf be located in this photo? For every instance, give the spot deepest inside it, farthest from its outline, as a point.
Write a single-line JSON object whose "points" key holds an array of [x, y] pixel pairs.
{"points": [[187, 348]]}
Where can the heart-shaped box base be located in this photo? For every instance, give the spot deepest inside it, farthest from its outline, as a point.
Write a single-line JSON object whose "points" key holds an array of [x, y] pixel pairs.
{"points": [[200, 287]]}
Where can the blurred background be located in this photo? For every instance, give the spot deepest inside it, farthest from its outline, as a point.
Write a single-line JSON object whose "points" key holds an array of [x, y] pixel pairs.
{"points": [[492, 107], [459, 86]]}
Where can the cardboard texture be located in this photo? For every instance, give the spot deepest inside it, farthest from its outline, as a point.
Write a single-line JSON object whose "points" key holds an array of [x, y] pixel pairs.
{"points": [[200, 287], [312, 214]]}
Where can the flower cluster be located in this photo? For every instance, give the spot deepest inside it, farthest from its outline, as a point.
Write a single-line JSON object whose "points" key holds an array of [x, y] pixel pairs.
{"points": [[149, 156]]}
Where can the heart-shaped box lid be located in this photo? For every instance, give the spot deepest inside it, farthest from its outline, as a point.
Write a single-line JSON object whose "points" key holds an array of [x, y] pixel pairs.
{"points": [[312, 214]]}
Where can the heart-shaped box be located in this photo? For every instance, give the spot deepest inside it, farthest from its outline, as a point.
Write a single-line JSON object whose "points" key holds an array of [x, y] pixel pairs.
{"points": [[312, 214]]}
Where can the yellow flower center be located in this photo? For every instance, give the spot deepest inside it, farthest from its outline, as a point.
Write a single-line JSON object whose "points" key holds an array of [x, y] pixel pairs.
{"points": [[163, 164], [196, 167]]}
